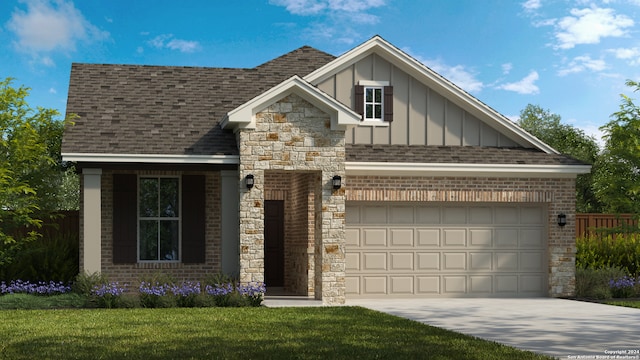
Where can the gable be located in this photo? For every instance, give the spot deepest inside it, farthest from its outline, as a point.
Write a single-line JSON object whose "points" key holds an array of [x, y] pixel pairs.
{"points": [[428, 109]]}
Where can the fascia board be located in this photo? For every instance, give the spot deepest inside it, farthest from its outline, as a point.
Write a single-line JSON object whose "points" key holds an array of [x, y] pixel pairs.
{"points": [[244, 115], [481, 170], [152, 158], [421, 72]]}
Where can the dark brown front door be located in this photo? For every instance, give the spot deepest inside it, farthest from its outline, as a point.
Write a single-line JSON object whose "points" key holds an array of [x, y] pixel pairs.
{"points": [[274, 243]]}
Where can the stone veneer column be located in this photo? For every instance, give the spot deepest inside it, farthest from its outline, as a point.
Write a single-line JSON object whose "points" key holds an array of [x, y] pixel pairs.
{"points": [[92, 217], [293, 135]]}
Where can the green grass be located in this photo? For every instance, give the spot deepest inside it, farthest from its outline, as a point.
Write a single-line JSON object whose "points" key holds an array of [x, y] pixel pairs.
{"points": [[626, 303], [25, 301], [234, 333]]}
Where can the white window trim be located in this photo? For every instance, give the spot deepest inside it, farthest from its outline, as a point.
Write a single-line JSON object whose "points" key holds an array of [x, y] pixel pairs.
{"points": [[374, 122], [179, 218]]}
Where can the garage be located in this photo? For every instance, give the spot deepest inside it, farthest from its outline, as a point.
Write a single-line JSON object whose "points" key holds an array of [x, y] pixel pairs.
{"points": [[446, 250]]}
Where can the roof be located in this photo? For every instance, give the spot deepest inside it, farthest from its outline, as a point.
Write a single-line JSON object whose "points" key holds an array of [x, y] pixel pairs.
{"points": [[454, 155], [136, 109]]}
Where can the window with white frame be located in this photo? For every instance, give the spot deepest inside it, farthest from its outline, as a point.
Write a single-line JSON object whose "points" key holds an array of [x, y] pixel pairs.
{"points": [[159, 219], [373, 105]]}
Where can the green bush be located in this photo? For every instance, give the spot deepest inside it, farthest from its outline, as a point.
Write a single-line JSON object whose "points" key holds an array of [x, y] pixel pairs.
{"points": [[593, 283], [53, 258], [620, 251]]}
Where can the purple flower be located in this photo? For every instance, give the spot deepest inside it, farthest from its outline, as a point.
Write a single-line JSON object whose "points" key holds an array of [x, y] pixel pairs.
{"points": [[41, 288]]}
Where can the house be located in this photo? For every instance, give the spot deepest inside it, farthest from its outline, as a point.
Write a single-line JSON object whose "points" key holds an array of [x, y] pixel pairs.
{"points": [[362, 175]]}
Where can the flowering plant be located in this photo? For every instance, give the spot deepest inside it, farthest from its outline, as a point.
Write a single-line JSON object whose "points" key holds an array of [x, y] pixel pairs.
{"points": [[41, 288], [108, 295], [253, 292], [623, 287], [186, 293], [221, 293], [151, 294]]}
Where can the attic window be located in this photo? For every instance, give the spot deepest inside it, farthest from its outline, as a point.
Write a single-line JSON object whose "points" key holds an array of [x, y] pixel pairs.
{"points": [[374, 101]]}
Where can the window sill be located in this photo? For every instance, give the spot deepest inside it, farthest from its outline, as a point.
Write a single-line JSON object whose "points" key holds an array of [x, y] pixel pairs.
{"points": [[374, 123]]}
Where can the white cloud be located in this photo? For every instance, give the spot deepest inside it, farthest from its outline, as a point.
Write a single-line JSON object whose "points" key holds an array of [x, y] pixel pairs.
{"points": [[52, 91], [315, 7], [582, 63], [531, 5], [48, 26], [506, 68], [457, 74], [631, 55], [526, 86], [589, 26], [167, 41]]}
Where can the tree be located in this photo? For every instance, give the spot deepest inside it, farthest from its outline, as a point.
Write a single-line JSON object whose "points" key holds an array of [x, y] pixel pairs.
{"points": [[31, 170], [568, 140], [617, 172]]}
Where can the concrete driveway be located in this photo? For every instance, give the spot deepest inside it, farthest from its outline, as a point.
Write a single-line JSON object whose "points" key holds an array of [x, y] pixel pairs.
{"points": [[564, 329]]}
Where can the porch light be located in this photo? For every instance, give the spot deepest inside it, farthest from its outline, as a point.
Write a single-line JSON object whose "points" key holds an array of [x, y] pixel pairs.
{"points": [[248, 181], [562, 219], [337, 182]]}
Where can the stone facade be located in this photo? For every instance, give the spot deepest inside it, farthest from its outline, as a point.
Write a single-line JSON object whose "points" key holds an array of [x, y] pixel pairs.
{"points": [[293, 138], [558, 194]]}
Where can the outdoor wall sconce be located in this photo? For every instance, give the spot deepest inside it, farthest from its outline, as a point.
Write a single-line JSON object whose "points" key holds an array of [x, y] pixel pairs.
{"points": [[336, 182], [562, 219], [249, 181]]}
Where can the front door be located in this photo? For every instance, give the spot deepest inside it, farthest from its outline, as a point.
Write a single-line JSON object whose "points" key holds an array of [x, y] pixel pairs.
{"points": [[274, 243]]}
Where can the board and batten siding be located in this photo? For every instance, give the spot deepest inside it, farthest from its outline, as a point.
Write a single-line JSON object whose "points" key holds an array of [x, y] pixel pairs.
{"points": [[421, 115]]}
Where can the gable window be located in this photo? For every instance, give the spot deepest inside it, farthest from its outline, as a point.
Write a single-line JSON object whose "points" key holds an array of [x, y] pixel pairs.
{"points": [[374, 101], [159, 219]]}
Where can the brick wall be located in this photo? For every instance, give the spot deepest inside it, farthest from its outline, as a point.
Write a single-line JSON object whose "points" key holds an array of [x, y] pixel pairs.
{"points": [[133, 273]]}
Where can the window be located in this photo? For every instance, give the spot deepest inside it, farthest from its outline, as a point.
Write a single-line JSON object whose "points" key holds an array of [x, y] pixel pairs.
{"points": [[374, 101], [159, 219]]}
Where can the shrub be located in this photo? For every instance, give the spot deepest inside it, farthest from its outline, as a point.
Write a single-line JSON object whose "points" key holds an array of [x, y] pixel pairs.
{"points": [[253, 293], [594, 283], [623, 287], [621, 251], [84, 283], [186, 294], [40, 288], [109, 295], [154, 295], [221, 293]]}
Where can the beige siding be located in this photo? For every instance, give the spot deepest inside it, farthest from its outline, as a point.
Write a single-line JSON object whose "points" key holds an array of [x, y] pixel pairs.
{"points": [[421, 115]]}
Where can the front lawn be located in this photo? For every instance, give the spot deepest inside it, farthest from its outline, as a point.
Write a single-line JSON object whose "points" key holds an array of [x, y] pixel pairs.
{"points": [[635, 303], [234, 333]]}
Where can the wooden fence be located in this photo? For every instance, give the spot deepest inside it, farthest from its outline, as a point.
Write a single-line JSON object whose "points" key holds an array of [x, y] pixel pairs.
{"points": [[598, 223]]}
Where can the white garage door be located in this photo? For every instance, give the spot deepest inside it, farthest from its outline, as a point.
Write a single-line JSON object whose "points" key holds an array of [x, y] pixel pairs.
{"points": [[404, 249]]}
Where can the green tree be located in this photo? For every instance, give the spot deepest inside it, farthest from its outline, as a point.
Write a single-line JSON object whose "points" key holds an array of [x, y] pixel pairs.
{"points": [[568, 140], [31, 170], [617, 172]]}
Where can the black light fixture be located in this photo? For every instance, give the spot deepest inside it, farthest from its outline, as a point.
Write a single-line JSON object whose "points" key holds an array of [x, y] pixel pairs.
{"points": [[249, 181], [562, 219], [336, 182]]}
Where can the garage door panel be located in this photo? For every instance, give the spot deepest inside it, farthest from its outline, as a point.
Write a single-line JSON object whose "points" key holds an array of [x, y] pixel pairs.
{"points": [[352, 237], [428, 261], [454, 237], [401, 261], [374, 237], [352, 261], [481, 261], [428, 237], [480, 284], [352, 214], [454, 261], [454, 284], [401, 215], [481, 238], [429, 285], [401, 237], [401, 285], [374, 285], [374, 261], [506, 237], [437, 249]]}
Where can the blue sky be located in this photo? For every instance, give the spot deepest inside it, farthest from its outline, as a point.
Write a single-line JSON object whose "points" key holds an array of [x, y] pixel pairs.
{"points": [[569, 56]]}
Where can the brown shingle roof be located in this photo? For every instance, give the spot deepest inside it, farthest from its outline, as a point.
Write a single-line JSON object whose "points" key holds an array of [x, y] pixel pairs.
{"points": [[454, 154], [133, 109]]}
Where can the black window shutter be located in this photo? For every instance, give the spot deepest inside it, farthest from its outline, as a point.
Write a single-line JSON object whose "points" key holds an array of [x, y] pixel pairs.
{"points": [[193, 219], [388, 103], [125, 227], [359, 99]]}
